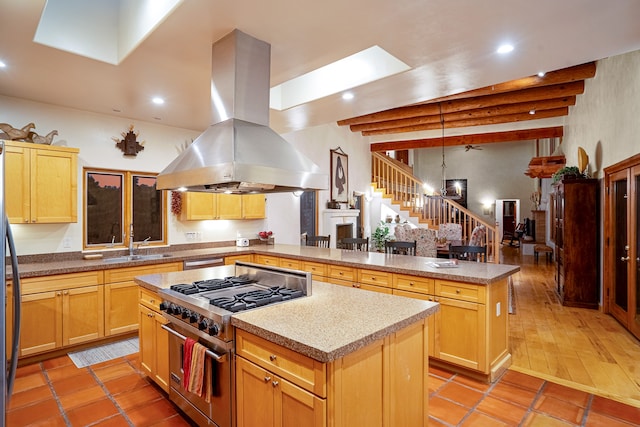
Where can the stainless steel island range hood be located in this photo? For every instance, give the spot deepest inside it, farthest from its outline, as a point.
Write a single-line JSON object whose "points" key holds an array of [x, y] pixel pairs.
{"points": [[239, 153]]}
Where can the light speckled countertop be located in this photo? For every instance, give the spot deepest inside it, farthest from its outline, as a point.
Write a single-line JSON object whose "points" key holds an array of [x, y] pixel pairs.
{"points": [[332, 322], [470, 272]]}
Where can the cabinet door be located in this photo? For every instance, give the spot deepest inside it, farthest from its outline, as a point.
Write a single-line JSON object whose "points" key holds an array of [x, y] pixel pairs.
{"points": [[254, 391], [431, 320], [161, 375], [120, 308], [41, 322], [295, 407], [199, 206], [460, 329], [54, 182], [83, 314], [229, 206], [17, 194], [147, 338], [253, 206]]}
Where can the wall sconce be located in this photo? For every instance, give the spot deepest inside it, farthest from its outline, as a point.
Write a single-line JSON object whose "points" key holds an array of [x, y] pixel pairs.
{"points": [[487, 208]]}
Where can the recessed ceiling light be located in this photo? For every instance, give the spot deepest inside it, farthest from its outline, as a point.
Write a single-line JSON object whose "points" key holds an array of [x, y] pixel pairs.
{"points": [[157, 100], [2, 64], [347, 96], [505, 48], [541, 74]]}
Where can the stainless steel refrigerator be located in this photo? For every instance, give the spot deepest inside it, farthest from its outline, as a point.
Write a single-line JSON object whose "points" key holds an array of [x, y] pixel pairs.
{"points": [[9, 360]]}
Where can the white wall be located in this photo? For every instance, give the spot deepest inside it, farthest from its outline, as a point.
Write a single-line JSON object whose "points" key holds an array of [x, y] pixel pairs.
{"points": [[92, 134]]}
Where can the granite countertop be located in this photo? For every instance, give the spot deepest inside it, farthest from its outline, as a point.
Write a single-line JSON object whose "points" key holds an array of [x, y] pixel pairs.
{"points": [[310, 325], [470, 272]]}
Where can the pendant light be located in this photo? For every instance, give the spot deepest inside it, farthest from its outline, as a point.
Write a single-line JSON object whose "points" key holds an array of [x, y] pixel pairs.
{"points": [[443, 190]]}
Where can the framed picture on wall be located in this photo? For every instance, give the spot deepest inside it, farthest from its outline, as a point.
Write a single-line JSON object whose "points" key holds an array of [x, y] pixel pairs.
{"points": [[458, 187], [339, 176]]}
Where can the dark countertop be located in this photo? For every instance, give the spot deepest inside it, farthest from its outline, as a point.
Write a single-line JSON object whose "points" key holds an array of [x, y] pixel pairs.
{"points": [[470, 272]]}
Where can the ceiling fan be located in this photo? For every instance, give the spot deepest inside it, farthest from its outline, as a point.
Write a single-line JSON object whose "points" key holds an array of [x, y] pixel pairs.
{"points": [[472, 147]]}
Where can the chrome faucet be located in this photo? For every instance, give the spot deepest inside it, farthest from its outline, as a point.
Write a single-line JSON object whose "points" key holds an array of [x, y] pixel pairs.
{"points": [[131, 240]]}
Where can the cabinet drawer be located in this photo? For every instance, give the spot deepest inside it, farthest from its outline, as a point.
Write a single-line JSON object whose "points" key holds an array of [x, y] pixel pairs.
{"points": [[413, 283], [127, 274], [266, 260], [290, 365], [372, 277], [32, 285], [293, 264], [343, 273], [230, 260], [150, 299], [460, 291], [316, 269]]}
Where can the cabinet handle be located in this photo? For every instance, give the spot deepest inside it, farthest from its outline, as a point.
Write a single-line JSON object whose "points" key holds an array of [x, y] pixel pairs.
{"points": [[373, 278], [26, 220], [340, 273], [267, 379], [272, 357], [152, 301], [275, 383], [410, 283], [457, 291], [149, 314], [624, 258], [65, 292], [58, 293]]}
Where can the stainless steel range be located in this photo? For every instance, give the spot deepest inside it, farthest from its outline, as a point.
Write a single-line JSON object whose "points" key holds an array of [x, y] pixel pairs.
{"points": [[202, 311]]}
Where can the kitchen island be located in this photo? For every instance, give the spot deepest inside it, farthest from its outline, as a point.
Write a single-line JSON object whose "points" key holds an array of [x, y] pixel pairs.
{"points": [[337, 357]]}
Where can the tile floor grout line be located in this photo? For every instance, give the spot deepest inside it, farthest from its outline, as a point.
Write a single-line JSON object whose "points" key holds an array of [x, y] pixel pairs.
{"points": [[110, 397], [63, 413]]}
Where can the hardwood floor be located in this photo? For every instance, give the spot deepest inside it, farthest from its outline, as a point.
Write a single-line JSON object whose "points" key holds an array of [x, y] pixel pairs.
{"points": [[581, 348]]}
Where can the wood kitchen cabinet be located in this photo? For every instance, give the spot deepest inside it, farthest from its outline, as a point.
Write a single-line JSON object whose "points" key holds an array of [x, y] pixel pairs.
{"points": [[121, 296], [44, 183], [61, 310], [230, 260], [199, 206], [280, 387], [154, 341]]}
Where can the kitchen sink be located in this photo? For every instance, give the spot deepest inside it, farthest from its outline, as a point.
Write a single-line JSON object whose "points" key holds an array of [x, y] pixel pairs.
{"points": [[128, 258]]}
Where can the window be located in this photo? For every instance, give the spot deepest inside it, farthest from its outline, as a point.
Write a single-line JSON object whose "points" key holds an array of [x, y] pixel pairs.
{"points": [[114, 200]]}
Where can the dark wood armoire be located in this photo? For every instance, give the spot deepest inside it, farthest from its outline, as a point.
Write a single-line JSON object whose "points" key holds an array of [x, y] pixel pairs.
{"points": [[577, 250]]}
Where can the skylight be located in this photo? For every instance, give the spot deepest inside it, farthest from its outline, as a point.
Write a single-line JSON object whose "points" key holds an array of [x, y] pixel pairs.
{"points": [[105, 30], [360, 68]]}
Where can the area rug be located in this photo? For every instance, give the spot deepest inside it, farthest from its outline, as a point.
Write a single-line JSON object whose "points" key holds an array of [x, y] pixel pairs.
{"points": [[105, 352], [512, 297]]}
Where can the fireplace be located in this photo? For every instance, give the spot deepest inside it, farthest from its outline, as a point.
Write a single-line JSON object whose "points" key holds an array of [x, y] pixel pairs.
{"points": [[342, 231], [346, 218]]}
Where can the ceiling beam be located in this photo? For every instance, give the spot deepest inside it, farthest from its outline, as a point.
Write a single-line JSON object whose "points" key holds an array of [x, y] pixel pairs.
{"points": [[524, 95], [475, 139], [481, 113]]}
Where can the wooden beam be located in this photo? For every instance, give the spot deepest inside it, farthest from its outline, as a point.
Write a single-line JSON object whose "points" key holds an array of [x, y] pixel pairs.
{"points": [[510, 118], [524, 95], [475, 139], [481, 113], [565, 75]]}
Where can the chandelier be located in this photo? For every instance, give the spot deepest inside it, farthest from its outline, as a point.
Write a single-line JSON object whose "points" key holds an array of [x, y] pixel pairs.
{"points": [[443, 189]]}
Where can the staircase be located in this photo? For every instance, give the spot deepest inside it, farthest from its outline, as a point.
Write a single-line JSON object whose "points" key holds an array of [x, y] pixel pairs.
{"points": [[396, 182]]}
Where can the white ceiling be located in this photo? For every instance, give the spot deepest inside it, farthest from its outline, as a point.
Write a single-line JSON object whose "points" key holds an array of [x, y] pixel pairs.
{"points": [[450, 45]]}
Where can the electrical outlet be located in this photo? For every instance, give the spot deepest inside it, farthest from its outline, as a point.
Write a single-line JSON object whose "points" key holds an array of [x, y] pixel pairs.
{"points": [[498, 309], [66, 242]]}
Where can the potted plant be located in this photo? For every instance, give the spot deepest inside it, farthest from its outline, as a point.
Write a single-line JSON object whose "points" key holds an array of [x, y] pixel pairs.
{"points": [[568, 171], [380, 236]]}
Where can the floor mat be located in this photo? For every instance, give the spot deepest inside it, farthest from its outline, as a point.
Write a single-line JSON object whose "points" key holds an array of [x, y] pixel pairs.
{"points": [[105, 352]]}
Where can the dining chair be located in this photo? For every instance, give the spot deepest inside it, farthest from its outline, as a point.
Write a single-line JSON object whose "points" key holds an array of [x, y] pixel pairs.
{"points": [[400, 247], [468, 253], [318, 241], [355, 243]]}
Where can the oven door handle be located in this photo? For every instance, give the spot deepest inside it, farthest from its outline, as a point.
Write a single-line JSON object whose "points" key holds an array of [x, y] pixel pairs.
{"points": [[217, 357]]}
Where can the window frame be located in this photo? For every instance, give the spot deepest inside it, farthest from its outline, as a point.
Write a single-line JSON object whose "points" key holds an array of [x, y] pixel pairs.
{"points": [[127, 210]]}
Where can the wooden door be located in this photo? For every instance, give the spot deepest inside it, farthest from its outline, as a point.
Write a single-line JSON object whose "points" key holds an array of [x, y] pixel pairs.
{"points": [[120, 308], [619, 244], [634, 252], [147, 338], [83, 314], [294, 407], [54, 181], [41, 322], [254, 391]]}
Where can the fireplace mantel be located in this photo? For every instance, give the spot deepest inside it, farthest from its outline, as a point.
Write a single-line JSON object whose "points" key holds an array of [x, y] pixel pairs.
{"points": [[333, 217]]}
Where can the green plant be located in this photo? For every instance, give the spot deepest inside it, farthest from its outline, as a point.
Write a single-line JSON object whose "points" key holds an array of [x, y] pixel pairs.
{"points": [[380, 236], [567, 170]]}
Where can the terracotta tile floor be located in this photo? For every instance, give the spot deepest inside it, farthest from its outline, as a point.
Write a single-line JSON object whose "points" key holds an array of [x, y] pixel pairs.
{"points": [[518, 399], [116, 393]]}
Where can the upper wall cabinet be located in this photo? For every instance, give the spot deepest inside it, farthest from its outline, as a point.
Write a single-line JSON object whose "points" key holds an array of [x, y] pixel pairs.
{"points": [[203, 206], [44, 183]]}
